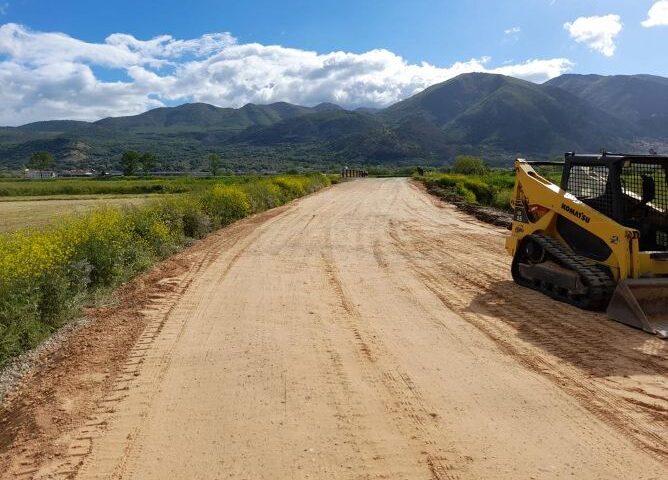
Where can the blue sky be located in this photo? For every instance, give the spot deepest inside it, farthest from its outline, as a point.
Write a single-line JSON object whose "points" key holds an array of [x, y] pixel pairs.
{"points": [[387, 50]]}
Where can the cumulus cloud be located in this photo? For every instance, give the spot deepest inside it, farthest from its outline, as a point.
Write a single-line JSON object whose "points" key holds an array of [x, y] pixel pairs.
{"points": [[657, 15], [512, 31], [53, 75], [536, 70], [118, 50], [598, 33]]}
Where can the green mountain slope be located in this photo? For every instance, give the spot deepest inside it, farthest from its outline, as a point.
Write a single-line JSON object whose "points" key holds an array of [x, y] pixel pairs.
{"points": [[514, 116], [443, 102], [324, 126], [641, 99]]}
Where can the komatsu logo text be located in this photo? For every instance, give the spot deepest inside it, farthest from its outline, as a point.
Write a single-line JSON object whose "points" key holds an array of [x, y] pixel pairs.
{"points": [[576, 213]]}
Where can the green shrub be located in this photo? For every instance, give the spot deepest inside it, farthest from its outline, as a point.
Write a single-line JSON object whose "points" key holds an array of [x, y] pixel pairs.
{"points": [[492, 189], [225, 204], [194, 221], [447, 181], [468, 165], [502, 199], [292, 187], [465, 193], [484, 193], [264, 195]]}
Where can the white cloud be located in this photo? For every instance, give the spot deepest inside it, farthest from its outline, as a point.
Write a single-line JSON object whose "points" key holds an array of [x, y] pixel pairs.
{"points": [[657, 15], [512, 34], [118, 50], [598, 33], [536, 70], [52, 75]]}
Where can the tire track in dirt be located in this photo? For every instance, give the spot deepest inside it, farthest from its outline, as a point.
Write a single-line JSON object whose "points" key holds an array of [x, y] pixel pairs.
{"points": [[155, 367], [485, 297], [406, 401]]}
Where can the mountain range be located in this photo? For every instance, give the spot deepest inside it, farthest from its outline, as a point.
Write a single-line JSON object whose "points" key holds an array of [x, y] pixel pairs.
{"points": [[495, 116]]}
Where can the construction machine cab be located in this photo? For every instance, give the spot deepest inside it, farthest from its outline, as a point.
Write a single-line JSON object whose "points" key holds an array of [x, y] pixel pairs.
{"points": [[630, 189]]}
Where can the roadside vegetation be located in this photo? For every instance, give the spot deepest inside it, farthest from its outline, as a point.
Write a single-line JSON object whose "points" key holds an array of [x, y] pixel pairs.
{"points": [[47, 275], [472, 181], [114, 186]]}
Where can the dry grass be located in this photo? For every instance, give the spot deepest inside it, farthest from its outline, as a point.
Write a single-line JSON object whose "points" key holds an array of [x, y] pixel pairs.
{"points": [[18, 213]]}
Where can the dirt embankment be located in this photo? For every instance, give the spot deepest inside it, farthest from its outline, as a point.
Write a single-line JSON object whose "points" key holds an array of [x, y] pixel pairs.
{"points": [[369, 331]]}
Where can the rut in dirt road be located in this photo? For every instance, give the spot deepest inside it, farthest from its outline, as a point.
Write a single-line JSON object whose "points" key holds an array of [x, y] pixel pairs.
{"points": [[370, 331]]}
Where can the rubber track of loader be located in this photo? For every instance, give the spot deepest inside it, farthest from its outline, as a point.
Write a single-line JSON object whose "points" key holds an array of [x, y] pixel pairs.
{"points": [[599, 282]]}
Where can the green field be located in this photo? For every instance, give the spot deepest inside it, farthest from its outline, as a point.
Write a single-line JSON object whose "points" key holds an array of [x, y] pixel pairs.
{"points": [[37, 203]]}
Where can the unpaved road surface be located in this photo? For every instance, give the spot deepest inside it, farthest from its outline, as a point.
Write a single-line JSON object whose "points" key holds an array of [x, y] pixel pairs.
{"points": [[365, 332]]}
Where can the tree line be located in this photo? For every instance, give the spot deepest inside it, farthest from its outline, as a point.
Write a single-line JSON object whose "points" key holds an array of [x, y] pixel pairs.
{"points": [[131, 162]]}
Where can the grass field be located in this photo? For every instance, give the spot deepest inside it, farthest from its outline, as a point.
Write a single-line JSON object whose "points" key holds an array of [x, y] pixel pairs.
{"points": [[113, 186], [37, 203], [19, 212]]}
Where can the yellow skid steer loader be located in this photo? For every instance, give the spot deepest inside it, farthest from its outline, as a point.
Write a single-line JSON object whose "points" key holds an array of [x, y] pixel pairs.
{"points": [[600, 239]]}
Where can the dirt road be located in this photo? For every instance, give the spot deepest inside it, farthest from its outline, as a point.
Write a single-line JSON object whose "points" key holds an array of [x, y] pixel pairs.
{"points": [[367, 332]]}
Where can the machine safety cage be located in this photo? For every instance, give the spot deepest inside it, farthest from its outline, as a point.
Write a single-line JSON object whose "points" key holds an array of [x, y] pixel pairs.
{"points": [[630, 189]]}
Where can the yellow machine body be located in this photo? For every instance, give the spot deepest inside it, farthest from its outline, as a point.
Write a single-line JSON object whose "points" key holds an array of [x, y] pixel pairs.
{"points": [[639, 276]]}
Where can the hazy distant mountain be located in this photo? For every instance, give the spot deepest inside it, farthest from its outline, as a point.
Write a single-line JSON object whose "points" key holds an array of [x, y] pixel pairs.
{"points": [[57, 126], [641, 99], [326, 106], [198, 116], [493, 115]]}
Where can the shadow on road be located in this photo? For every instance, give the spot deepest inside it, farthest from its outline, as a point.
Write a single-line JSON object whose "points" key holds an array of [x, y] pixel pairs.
{"points": [[587, 340]]}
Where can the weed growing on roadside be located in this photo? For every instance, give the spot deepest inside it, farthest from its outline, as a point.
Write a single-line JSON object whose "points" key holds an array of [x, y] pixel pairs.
{"points": [[491, 189]]}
